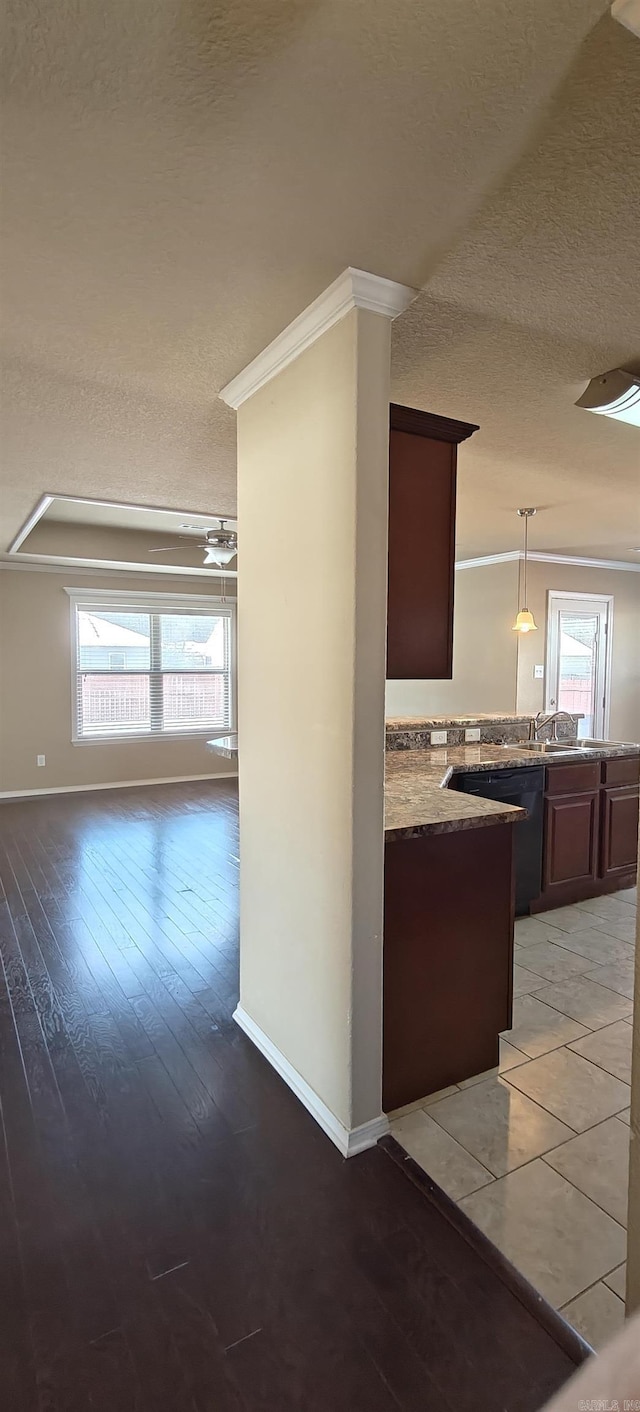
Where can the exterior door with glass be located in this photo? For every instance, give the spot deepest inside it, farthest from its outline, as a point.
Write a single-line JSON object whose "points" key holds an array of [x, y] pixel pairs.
{"points": [[579, 629]]}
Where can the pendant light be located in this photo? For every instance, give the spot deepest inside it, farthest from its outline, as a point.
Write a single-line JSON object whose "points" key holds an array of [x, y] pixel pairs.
{"points": [[525, 621]]}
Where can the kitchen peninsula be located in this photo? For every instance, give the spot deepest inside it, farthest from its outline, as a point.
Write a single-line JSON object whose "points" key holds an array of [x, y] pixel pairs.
{"points": [[449, 882], [448, 928]]}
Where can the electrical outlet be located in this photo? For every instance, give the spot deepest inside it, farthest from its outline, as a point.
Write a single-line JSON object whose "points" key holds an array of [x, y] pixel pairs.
{"points": [[438, 737], [472, 735], [538, 673], [41, 759]]}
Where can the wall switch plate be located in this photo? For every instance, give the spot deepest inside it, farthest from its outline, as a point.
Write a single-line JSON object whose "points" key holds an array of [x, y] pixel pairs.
{"points": [[41, 759], [438, 737], [472, 735], [538, 673]]}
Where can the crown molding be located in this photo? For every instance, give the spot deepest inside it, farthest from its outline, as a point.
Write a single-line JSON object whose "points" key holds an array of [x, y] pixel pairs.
{"points": [[585, 563], [46, 501], [32, 520], [484, 559], [353, 289], [64, 564], [576, 560], [429, 424]]}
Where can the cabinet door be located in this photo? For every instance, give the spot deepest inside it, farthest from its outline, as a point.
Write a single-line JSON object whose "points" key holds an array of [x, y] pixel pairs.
{"points": [[619, 830], [422, 494], [422, 504], [571, 839]]}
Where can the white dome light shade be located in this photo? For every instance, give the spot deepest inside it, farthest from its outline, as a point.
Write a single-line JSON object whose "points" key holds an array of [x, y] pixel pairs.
{"points": [[615, 394], [219, 554]]}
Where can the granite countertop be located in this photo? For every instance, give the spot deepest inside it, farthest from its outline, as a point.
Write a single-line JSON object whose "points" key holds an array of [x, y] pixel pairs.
{"points": [[410, 723], [417, 800], [226, 745]]}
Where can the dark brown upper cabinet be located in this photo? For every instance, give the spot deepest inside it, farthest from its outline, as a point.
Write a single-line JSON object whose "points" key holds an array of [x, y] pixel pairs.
{"points": [[423, 451]]}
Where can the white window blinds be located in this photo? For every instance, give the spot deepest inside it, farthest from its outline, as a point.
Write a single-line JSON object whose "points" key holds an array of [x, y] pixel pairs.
{"points": [[142, 668]]}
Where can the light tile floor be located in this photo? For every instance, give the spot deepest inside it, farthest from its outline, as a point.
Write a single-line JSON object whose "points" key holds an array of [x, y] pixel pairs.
{"points": [[537, 1151]]}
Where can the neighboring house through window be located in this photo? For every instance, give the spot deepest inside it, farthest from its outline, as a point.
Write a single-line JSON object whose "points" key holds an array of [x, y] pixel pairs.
{"points": [[152, 666]]}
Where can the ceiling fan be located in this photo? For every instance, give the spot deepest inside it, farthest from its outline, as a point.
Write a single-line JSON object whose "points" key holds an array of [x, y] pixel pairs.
{"points": [[220, 545]]}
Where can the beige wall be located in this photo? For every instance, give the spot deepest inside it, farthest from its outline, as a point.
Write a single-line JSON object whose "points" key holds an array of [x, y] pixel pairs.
{"points": [[35, 691], [312, 471], [625, 667], [484, 650], [493, 666]]}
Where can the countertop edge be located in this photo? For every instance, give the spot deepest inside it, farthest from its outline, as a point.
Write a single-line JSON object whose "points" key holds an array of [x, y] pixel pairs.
{"points": [[514, 815]]}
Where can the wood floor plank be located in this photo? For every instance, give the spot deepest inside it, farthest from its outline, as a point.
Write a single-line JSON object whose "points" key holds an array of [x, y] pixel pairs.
{"points": [[176, 1233]]}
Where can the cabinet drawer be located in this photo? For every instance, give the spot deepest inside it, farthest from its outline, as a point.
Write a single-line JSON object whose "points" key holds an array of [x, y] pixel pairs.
{"points": [[624, 770], [573, 779]]}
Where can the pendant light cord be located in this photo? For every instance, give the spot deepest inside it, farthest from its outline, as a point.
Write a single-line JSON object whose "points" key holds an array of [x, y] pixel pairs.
{"points": [[526, 545]]}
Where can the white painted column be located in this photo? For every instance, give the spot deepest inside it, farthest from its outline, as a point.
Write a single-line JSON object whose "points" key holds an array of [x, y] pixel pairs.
{"points": [[312, 508]]}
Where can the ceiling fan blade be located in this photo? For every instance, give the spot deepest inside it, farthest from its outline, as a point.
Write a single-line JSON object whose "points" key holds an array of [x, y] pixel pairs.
{"points": [[173, 548]]}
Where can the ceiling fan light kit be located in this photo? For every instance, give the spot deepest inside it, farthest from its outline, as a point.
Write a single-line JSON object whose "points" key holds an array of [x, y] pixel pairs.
{"points": [[219, 554], [220, 545]]}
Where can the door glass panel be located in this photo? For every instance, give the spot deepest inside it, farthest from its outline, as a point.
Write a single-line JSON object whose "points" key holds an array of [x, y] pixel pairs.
{"points": [[578, 667]]}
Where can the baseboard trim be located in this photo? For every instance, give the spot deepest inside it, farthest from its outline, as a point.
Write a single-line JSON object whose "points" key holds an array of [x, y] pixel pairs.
{"points": [[348, 1141], [117, 784]]}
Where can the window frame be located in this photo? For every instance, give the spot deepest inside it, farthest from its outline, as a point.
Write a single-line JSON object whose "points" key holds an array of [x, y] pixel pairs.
{"points": [[153, 603]]}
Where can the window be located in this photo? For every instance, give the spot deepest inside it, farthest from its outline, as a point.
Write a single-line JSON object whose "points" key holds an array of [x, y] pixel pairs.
{"points": [[151, 667]]}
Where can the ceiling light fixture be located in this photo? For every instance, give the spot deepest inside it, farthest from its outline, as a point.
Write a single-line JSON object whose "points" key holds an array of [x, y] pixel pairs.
{"points": [[220, 554], [615, 394], [525, 621], [627, 12]]}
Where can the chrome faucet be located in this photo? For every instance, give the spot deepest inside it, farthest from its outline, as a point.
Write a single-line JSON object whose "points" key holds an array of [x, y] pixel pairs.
{"points": [[542, 720]]}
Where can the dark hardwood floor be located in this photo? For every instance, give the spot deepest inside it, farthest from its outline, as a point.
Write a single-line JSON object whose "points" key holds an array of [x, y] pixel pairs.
{"points": [[177, 1233]]}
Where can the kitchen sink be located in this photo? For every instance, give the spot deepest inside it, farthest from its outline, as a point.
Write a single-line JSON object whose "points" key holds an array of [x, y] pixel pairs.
{"points": [[587, 744], [536, 747], [550, 747], [590, 744]]}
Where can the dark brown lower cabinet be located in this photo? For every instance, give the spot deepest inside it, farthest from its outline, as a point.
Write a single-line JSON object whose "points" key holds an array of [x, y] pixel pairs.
{"points": [[619, 830], [590, 830], [448, 958], [570, 839]]}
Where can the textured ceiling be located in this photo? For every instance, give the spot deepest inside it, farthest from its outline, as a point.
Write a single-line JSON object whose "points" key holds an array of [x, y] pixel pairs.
{"points": [[181, 179]]}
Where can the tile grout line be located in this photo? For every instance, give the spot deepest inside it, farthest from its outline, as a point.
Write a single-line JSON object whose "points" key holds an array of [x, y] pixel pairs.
{"points": [[578, 1131], [594, 1285], [592, 1199]]}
